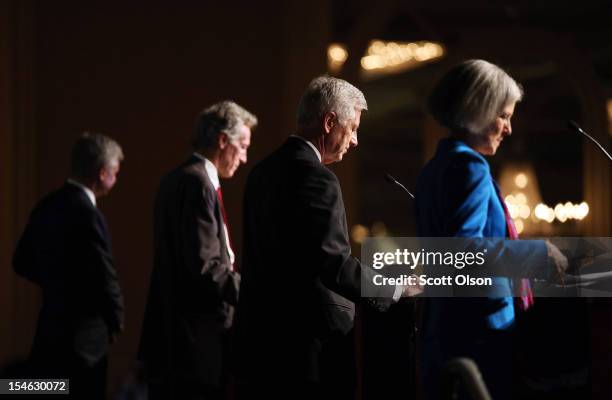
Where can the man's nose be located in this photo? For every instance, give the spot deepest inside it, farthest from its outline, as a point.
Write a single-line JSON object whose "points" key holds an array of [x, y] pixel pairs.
{"points": [[354, 142]]}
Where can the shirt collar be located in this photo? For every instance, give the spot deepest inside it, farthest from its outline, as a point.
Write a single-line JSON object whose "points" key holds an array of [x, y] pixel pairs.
{"points": [[90, 194], [211, 170], [312, 146]]}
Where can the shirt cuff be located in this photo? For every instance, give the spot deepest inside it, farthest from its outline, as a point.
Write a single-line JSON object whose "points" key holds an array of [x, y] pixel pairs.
{"points": [[399, 289]]}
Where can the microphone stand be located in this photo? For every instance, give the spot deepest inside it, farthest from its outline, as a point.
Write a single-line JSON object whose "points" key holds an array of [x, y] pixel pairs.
{"points": [[573, 125], [389, 178], [416, 308]]}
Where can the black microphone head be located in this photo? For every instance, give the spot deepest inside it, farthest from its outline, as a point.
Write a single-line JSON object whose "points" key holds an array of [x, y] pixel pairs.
{"points": [[390, 178], [573, 125]]}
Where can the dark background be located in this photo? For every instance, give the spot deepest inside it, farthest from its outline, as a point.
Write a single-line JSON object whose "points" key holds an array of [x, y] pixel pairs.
{"points": [[141, 71]]}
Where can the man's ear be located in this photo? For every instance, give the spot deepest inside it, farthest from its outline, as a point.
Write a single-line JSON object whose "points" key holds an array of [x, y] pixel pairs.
{"points": [[96, 183], [222, 140], [102, 172], [329, 120]]}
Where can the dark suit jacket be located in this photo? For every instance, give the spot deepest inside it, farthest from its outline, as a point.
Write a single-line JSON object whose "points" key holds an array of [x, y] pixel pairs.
{"points": [[66, 250], [300, 281], [193, 290]]}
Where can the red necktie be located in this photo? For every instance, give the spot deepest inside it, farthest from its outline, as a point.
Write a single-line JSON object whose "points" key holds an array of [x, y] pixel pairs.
{"points": [[229, 238], [526, 294]]}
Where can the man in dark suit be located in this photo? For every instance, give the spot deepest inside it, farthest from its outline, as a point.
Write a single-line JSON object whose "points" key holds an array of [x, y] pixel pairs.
{"points": [[294, 322], [194, 285], [66, 250]]}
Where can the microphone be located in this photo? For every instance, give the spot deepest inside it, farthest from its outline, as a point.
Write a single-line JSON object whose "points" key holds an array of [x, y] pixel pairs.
{"points": [[394, 181], [573, 125]]}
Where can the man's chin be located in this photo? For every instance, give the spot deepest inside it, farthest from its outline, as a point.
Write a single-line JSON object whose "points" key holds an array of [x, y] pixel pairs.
{"points": [[335, 159], [228, 174]]}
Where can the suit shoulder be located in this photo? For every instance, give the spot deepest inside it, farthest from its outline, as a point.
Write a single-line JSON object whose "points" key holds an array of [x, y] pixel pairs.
{"points": [[282, 172], [186, 177], [469, 173], [458, 163], [466, 155], [67, 198], [298, 169], [320, 171]]}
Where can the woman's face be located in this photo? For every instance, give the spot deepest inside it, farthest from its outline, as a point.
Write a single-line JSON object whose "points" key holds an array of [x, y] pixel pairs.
{"points": [[488, 142]]}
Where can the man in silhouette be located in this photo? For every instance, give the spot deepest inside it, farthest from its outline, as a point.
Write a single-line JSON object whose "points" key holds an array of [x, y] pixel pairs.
{"points": [[66, 250], [300, 282], [194, 284]]}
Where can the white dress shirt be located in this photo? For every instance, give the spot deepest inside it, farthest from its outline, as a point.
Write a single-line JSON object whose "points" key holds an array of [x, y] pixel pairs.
{"points": [[213, 175]]}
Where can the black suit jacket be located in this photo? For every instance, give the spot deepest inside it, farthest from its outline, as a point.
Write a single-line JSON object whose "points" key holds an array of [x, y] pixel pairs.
{"points": [[66, 250], [193, 289], [300, 281]]}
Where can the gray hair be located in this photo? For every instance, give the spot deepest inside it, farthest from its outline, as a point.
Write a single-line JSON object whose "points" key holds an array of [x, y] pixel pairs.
{"points": [[327, 94], [471, 95], [225, 116], [91, 152]]}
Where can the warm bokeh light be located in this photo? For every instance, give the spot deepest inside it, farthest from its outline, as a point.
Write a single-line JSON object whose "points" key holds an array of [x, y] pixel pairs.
{"points": [[359, 233], [519, 225], [520, 180], [336, 56], [337, 53], [541, 211], [519, 183], [372, 62], [513, 210], [562, 212], [385, 57], [389, 55], [583, 210]]}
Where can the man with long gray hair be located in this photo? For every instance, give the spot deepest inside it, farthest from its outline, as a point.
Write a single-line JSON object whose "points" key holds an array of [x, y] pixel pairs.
{"points": [[66, 250], [300, 281], [194, 283]]}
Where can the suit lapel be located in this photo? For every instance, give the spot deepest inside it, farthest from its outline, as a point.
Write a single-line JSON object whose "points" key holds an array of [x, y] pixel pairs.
{"points": [[201, 166]]}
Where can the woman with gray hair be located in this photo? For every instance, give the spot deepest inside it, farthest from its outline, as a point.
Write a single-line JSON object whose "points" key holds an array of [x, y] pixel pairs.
{"points": [[457, 197]]}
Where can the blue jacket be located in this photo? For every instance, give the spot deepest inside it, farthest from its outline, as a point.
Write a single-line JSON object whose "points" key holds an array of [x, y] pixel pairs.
{"points": [[457, 197]]}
